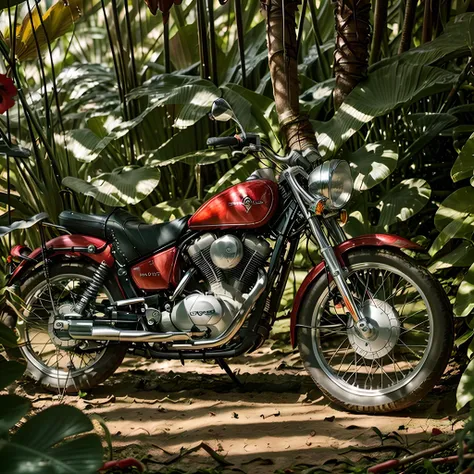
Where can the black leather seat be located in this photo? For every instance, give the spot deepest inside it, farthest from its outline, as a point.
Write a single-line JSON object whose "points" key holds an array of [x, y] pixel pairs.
{"points": [[132, 238], [89, 224]]}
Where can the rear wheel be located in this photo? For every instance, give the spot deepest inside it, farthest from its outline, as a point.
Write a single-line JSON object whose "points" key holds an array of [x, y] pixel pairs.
{"points": [[410, 344], [63, 365]]}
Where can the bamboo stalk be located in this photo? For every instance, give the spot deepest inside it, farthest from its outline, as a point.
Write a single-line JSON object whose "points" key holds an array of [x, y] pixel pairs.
{"points": [[166, 44], [240, 39], [408, 25], [202, 37], [427, 23], [301, 27], [380, 26], [212, 41]]}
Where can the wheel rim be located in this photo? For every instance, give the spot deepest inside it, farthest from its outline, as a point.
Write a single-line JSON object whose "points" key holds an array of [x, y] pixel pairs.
{"points": [[66, 362], [396, 363]]}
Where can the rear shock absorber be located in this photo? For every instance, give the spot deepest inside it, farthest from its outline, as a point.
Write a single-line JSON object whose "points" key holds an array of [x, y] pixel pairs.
{"points": [[93, 289]]}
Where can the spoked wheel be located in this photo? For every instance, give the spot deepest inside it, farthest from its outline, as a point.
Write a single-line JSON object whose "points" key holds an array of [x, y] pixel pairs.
{"points": [[58, 362], [405, 352]]}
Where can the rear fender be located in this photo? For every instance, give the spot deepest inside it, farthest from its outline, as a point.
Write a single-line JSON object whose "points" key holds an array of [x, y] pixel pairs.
{"points": [[371, 240], [67, 242]]}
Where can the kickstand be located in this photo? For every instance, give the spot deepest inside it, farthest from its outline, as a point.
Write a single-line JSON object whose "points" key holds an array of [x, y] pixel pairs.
{"points": [[225, 367]]}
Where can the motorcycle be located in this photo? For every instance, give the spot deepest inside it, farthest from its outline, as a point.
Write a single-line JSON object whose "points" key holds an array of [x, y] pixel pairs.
{"points": [[373, 328]]}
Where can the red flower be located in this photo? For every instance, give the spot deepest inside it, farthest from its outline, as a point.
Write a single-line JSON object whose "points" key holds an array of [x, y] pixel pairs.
{"points": [[7, 92], [163, 5]]}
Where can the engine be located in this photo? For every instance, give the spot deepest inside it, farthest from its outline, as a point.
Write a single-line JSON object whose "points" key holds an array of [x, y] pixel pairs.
{"points": [[229, 267]]}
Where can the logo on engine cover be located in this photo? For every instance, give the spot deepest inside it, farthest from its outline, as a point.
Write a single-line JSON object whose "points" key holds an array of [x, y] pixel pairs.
{"points": [[246, 202], [207, 312]]}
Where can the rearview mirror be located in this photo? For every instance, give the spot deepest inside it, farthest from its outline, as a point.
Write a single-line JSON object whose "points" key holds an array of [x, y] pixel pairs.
{"points": [[222, 111]]}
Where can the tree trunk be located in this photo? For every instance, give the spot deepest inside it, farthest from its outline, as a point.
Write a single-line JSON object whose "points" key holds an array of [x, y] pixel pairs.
{"points": [[282, 59], [380, 27], [351, 57], [408, 24]]}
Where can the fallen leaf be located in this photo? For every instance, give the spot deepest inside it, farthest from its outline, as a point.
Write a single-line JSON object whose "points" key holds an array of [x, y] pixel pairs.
{"points": [[436, 432]]}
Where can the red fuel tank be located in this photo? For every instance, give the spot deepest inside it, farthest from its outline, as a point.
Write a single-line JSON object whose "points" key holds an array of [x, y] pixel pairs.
{"points": [[248, 205], [158, 272]]}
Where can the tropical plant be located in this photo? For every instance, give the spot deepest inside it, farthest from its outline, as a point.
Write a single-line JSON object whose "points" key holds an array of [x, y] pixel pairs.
{"points": [[58, 439], [113, 103]]}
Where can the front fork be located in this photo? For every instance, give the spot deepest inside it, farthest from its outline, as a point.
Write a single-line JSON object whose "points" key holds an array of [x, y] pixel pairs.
{"points": [[327, 252]]}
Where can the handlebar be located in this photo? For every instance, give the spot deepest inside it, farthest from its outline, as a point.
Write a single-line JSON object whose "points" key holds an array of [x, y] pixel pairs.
{"points": [[250, 143], [223, 141]]}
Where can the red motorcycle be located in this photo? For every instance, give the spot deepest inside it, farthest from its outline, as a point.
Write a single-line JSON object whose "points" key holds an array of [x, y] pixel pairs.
{"points": [[374, 329]]}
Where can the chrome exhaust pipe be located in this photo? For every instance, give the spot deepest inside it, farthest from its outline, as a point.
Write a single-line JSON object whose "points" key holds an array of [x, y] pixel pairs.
{"points": [[85, 330], [128, 335]]}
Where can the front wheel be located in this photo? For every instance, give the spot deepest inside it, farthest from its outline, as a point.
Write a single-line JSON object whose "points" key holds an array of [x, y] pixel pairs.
{"points": [[408, 348]]}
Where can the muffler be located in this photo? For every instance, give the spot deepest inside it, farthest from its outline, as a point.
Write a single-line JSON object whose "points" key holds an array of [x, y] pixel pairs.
{"points": [[86, 330]]}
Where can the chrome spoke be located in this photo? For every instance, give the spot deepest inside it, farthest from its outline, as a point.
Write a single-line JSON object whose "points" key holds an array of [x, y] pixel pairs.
{"points": [[373, 364]]}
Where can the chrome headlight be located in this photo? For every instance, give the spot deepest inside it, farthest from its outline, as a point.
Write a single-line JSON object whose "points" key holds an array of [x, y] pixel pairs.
{"points": [[332, 180]]}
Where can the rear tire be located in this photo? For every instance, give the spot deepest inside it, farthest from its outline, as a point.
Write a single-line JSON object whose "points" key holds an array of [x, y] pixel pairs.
{"points": [[419, 380], [112, 353]]}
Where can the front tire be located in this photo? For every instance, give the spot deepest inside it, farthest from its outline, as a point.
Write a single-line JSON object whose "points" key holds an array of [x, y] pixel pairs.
{"points": [[409, 350], [57, 368]]}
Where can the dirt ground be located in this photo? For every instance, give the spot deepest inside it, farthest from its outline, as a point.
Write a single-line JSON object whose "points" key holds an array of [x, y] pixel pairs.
{"points": [[277, 421]]}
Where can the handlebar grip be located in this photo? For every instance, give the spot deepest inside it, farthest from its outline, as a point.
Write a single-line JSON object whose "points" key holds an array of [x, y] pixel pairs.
{"points": [[223, 141]]}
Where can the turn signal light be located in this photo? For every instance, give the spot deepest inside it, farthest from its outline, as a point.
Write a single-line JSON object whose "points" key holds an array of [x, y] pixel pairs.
{"points": [[318, 207], [343, 216]]}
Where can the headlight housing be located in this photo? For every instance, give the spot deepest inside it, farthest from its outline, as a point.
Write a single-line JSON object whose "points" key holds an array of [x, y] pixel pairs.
{"points": [[332, 180]]}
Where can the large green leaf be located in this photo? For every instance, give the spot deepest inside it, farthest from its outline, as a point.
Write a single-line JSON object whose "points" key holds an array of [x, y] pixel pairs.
{"points": [[127, 185], [427, 126], [54, 23], [464, 303], [372, 163], [262, 110], [465, 390], [10, 370], [461, 256], [382, 92], [12, 409], [39, 444], [315, 97], [456, 229], [454, 41], [181, 143], [169, 210], [201, 157], [193, 94], [7, 336], [464, 165], [456, 207], [403, 201]]}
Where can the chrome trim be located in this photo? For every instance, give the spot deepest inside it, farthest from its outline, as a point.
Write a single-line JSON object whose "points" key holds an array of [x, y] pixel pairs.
{"points": [[182, 283], [237, 322], [114, 334], [327, 252], [127, 335], [136, 300]]}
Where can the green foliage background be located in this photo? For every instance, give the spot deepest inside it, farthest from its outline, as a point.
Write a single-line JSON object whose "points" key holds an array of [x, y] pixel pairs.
{"points": [[114, 105]]}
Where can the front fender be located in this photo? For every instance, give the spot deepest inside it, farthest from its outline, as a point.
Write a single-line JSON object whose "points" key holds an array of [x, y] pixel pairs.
{"points": [[54, 246], [370, 240]]}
